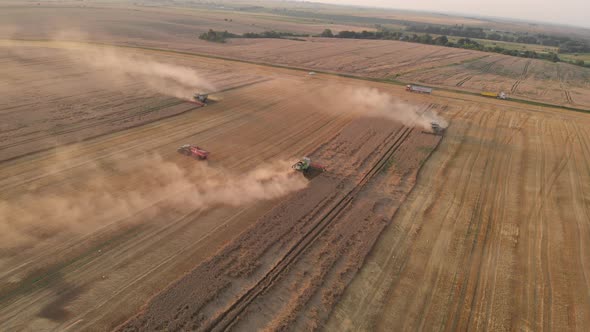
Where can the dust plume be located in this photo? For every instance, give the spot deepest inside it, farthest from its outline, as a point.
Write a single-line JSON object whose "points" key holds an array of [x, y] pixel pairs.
{"points": [[139, 190], [371, 102], [169, 79], [113, 67]]}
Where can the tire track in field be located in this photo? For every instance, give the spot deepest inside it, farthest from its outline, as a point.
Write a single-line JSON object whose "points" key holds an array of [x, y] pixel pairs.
{"points": [[406, 245], [523, 76], [367, 302], [515, 86], [477, 236], [518, 279], [484, 70], [370, 300], [449, 214], [463, 81], [485, 289], [488, 67], [563, 86], [495, 256], [540, 276], [581, 225]]}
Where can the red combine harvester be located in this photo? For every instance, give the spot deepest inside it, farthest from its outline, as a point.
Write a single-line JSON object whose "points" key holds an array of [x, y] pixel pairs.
{"points": [[193, 151]]}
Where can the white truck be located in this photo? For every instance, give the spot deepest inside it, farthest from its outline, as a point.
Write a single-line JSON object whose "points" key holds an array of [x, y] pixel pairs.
{"points": [[419, 89]]}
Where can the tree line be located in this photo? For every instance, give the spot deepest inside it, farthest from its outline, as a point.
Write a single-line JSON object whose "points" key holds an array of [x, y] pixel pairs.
{"points": [[217, 36], [443, 40], [383, 34], [222, 36], [565, 44]]}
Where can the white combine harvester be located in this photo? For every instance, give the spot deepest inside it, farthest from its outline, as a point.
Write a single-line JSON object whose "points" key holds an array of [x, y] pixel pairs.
{"points": [[201, 97], [436, 128]]}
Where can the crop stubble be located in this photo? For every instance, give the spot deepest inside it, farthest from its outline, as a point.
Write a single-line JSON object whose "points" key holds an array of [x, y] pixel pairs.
{"points": [[98, 273], [493, 235], [488, 219]]}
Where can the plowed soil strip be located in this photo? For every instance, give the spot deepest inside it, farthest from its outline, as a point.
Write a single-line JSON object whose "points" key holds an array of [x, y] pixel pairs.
{"points": [[227, 318]]}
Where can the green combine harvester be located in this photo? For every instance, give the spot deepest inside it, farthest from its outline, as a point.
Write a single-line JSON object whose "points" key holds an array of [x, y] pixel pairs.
{"points": [[305, 165]]}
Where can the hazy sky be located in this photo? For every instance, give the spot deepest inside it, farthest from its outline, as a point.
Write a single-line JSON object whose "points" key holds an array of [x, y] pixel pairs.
{"points": [[573, 12]]}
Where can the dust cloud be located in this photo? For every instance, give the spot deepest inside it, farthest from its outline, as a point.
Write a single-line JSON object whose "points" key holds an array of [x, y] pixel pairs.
{"points": [[136, 192], [109, 66], [371, 102], [168, 79]]}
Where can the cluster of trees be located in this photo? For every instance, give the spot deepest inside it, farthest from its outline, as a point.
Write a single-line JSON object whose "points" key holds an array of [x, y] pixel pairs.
{"points": [[380, 34], [574, 46], [221, 36], [565, 44], [271, 34], [459, 31], [217, 36], [473, 45]]}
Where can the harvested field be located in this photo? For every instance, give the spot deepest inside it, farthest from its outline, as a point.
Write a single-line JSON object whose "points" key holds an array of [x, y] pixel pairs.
{"points": [[298, 258], [136, 24], [494, 235], [372, 58], [125, 215], [104, 226], [175, 29], [553, 83], [68, 99]]}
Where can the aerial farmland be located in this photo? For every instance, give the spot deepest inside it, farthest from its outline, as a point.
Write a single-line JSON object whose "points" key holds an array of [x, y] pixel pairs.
{"points": [[154, 180]]}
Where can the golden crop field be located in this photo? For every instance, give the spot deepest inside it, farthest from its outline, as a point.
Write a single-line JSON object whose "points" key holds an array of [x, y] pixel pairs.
{"points": [[443, 211]]}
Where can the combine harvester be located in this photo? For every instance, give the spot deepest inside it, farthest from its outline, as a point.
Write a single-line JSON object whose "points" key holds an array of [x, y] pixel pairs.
{"points": [[418, 89], [193, 151], [435, 129], [200, 99], [308, 168], [500, 95]]}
